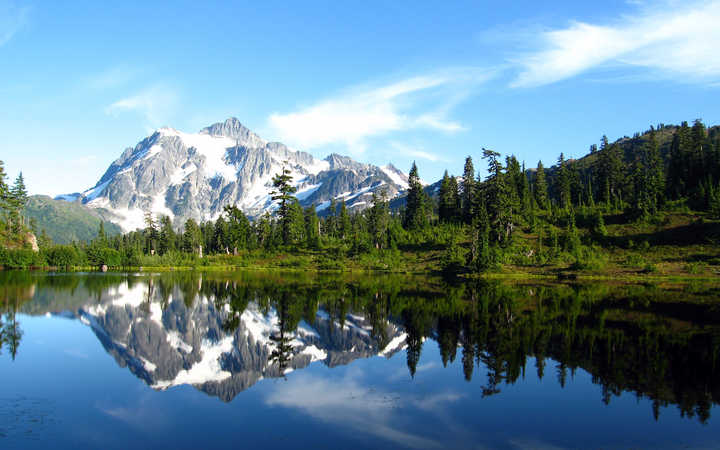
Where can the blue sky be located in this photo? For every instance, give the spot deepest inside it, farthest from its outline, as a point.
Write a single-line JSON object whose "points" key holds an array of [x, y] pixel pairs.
{"points": [[381, 81]]}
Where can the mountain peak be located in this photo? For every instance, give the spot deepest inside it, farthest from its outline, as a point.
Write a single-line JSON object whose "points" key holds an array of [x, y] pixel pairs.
{"points": [[232, 128]]}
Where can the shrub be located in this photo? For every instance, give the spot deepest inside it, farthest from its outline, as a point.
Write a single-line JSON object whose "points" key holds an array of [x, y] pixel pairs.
{"points": [[62, 256]]}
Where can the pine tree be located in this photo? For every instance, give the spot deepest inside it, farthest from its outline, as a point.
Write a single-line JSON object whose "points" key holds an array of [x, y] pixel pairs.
{"points": [[192, 237], [19, 193], [563, 183], [379, 218], [151, 234], [344, 225], [415, 210], [283, 192], [167, 236], [448, 199], [540, 188], [455, 203], [467, 193], [296, 220], [678, 172], [238, 228], [482, 253], [312, 228], [498, 197]]}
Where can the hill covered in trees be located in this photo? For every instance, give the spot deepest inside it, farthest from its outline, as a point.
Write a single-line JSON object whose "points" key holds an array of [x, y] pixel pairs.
{"points": [[64, 222]]}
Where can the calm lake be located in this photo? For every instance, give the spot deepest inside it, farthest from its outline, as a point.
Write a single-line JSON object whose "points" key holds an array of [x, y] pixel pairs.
{"points": [[278, 360]]}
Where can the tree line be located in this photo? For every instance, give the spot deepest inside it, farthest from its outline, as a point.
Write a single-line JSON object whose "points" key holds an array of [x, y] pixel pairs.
{"points": [[475, 217]]}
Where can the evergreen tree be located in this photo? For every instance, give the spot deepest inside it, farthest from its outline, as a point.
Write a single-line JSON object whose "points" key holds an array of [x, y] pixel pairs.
{"points": [[468, 191], [312, 228], [563, 183], [498, 197], [238, 228], [151, 234], [448, 199], [379, 218], [167, 236], [344, 226], [296, 221], [455, 203], [18, 193], [192, 237], [221, 237], [415, 210], [283, 192], [540, 188], [678, 172]]}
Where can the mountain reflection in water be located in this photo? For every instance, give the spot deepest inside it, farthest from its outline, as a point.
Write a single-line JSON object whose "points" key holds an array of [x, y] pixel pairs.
{"points": [[222, 333]]}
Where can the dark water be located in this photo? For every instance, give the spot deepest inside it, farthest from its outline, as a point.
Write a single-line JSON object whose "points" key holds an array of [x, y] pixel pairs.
{"points": [[257, 360]]}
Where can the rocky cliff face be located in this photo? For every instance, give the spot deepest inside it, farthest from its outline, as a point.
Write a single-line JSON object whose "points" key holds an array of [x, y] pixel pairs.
{"points": [[194, 175], [168, 340]]}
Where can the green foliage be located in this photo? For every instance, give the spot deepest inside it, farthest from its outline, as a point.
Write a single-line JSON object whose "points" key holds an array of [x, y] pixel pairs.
{"points": [[62, 256], [453, 259]]}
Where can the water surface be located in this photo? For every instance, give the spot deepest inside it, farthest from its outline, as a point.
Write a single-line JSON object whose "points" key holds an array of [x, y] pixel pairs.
{"points": [[274, 360]]}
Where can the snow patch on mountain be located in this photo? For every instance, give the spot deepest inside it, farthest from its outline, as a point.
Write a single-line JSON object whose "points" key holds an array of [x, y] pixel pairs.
{"points": [[208, 369]]}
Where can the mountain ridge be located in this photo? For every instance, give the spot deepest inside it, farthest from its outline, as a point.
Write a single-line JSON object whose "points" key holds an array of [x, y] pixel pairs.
{"points": [[194, 175]]}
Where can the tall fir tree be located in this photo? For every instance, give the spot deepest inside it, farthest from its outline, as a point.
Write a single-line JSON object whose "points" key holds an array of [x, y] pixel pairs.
{"points": [[563, 183], [497, 194], [416, 206], [312, 228], [468, 189], [283, 193], [540, 187], [448, 199], [344, 225], [379, 219], [167, 236]]}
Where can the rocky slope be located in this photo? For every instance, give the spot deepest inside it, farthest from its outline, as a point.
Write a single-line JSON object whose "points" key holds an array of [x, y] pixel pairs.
{"points": [[194, 175]]}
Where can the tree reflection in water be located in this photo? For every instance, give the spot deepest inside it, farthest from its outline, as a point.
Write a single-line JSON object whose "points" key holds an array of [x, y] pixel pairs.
{"points": [[659, 343]]}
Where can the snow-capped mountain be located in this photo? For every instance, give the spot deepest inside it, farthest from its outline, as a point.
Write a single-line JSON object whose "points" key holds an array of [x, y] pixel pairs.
{"points": [[168, 340], [194, 175]]}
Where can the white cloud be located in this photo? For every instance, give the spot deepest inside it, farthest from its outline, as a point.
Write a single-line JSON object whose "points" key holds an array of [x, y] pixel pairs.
{"points": [[416, 152], [369, 111], [349, 402], [12, 19], [669, 37], [156, 104]]}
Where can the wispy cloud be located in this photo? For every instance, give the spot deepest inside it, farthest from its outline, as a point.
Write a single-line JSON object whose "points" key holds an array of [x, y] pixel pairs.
{"points": [[416, 152], [421, 102], [156, 104], [12, 19], [351, 403], [671, 38]]}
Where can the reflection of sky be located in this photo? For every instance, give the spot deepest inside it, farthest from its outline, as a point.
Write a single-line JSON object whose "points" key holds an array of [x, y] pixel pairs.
{"points": [[62, 372], [354, 402]]}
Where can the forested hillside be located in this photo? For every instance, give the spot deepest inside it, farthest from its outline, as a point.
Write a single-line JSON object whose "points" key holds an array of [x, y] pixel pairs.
{"points": [[64, 222]]}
